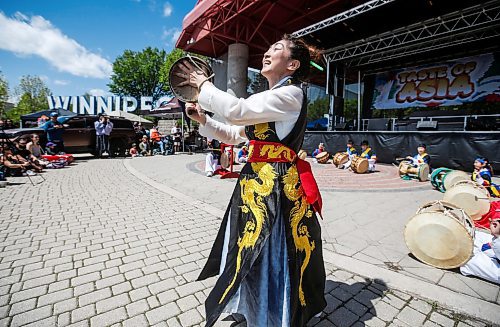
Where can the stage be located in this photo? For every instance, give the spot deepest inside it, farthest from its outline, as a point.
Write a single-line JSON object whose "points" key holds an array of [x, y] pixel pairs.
{"points": [[455, 150]]}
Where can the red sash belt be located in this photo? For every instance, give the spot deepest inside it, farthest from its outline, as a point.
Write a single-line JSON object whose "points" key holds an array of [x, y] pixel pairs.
{"points": [[261, 151]]}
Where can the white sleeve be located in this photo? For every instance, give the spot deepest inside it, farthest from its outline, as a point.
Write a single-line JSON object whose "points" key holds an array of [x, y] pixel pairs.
{"points": [[279, 104], [224, 133]]}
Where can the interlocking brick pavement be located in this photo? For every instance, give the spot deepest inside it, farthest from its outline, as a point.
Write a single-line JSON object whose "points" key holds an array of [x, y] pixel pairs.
{"points": [[95, 246]]}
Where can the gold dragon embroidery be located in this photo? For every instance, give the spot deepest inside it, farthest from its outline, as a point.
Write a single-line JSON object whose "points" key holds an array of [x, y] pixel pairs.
{"points": [[273, 152], [252, 194], [260, 131], [300, 233]]}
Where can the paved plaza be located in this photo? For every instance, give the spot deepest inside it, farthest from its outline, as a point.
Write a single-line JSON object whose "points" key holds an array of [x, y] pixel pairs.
{"points": [[120, 242]]}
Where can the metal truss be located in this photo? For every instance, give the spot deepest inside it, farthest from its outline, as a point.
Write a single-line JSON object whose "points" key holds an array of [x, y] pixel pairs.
{"points": [[454, 40], [367, 6], [456, 25]]}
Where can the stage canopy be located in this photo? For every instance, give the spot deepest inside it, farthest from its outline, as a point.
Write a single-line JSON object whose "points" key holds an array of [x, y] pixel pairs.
{"points": [[348, 29]]}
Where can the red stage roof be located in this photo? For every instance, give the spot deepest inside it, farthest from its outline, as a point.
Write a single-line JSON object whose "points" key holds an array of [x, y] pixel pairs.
{"points": [[214, 24]]}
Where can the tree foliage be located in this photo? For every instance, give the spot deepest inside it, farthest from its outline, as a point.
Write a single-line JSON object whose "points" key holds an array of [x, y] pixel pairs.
{"points": [[24, 107], [4, 94], [172, 57], [137, 74], [34, 92], [317, 109]]}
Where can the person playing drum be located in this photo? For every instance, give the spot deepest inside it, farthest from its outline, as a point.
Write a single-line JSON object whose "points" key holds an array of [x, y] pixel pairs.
{"points": [[369, 154], [320, 149], [268, 251], [485, 263], [421, 157], [482, 175], [352, 152]]}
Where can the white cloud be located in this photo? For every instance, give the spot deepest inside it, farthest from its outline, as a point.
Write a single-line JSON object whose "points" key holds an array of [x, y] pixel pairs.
{"points": [[98, 92], [61, 82], [167, 9], [37, 36], [171, 35]]}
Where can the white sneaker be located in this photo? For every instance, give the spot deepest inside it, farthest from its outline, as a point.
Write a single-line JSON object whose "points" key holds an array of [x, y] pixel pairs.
{"points": [[209, 174], [30, 173]]}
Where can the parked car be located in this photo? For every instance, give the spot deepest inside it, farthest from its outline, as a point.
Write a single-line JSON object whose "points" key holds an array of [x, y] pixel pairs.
{"points": [[79, 134]]}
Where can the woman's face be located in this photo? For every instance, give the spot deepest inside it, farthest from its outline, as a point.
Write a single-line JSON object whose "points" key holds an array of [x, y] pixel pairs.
{"points": [[277, 62]]}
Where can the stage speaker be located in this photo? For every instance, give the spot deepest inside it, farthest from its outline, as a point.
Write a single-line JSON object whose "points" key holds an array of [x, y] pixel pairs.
{"points": [[428, 125]]}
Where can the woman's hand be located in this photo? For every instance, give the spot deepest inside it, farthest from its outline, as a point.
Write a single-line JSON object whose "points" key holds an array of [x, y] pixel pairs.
{"points": [[194, 111], [192, 77]]}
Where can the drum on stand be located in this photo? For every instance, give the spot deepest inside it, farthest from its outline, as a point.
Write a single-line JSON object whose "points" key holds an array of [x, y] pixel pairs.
{"points": [[340, 158], [441, 235], [360, 165], [224, 160], [323, 157], [421, 172], [302, 154], [468, 195]]}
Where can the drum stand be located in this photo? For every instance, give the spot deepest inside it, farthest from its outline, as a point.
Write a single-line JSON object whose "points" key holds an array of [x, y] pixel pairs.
{"points": [[223, 172]]}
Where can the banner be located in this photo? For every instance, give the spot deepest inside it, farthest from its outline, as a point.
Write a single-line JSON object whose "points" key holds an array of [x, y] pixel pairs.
{"points": [[455, 82]]}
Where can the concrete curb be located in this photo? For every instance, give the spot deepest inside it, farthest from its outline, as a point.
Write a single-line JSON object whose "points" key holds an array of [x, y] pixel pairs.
{"points": [[465, 304], [174, 193]]}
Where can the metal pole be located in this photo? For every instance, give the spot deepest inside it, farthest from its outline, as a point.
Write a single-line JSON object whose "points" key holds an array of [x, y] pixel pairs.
{"points": [[182, 129], [359, 99]]}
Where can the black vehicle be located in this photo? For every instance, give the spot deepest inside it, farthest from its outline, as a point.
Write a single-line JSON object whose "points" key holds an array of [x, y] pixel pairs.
{"points": [[79, 134]]}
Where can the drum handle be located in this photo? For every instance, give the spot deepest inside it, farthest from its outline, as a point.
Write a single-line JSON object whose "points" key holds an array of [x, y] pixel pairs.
{"points": [[198, 66]]}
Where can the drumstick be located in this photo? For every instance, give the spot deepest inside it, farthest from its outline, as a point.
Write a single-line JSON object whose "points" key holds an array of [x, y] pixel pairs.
{"points": [[491, 199]]}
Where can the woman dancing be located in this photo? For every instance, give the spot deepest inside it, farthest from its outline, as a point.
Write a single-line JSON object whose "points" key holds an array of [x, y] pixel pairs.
{"points": [[268, 250]]}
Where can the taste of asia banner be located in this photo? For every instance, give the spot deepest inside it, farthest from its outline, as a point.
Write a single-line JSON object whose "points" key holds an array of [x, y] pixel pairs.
{"points": [[471, 79]]}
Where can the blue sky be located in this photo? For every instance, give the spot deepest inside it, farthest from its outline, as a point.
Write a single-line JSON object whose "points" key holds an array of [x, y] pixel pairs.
{"points": [[72, 44]]}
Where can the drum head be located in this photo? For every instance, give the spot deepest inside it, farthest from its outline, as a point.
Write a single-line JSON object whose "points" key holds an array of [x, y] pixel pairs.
{"points": [[423, 172], [438, 239], [470, 198], [302, 154], [322, 157], [224, 160], [453, 177], [360, 165], [187, 93]]}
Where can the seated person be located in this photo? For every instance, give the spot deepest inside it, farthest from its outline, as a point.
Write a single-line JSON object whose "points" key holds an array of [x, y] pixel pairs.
{"points": [[243, 154], [352, 152], [212, 159], [320, 149], [24, 155], [485, 263], [156, 138], [51, 148], [369, 154], [421, 157], [13, 166], [34, 146], [133, 151], [482, 175], [144, 148]]}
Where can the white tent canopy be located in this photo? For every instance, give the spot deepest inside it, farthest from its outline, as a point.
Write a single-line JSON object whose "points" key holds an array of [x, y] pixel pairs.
{"points": [[129, 116]]}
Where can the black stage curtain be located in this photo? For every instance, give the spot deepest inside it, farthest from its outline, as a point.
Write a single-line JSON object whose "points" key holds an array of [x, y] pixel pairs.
{"points": [[455, 150]]}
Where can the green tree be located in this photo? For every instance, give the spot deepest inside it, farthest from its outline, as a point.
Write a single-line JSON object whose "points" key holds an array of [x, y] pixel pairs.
{"points": [[137, 74], [172, 57], [317, 109], [24, 106], [4, 94], [34, 92]]}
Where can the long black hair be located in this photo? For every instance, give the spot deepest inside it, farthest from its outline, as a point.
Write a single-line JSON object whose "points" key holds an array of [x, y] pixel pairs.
{"points": [[304, 53]]}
